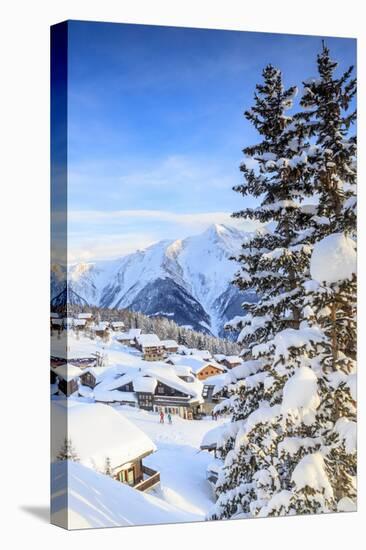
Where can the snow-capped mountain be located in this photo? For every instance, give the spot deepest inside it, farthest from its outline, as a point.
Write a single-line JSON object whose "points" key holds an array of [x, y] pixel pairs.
{"points": [[188, 281]]}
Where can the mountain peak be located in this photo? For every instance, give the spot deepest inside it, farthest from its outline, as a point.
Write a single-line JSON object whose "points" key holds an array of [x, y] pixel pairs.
{"points": [[217, 230]]}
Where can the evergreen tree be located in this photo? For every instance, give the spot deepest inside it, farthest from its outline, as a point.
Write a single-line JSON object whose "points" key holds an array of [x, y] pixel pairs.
{"points": [[329, 119], [291, 448], [108, 470], [67, 452], [274, 263]]}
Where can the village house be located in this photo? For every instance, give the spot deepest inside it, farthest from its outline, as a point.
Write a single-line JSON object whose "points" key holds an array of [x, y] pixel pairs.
{"points": [[231, 361], [66, 376], [201, 368], [89, 377], [151, 347], [87, 317], [202, 353], [56, 323], [101, 329], [79, 324], [156, 388], [105, 441], [170, 346], [128, 338], [117, 325]]}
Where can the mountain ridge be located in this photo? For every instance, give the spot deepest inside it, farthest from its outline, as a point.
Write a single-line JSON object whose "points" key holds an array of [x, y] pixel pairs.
{"points": [[187, 280]]}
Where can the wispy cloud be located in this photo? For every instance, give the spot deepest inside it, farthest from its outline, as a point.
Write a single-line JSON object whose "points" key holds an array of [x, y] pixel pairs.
{"points": [[106, 247], [194, 220]]}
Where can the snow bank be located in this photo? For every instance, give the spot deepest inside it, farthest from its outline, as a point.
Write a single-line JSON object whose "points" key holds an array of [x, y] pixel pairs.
{"points": [[333, 259], [96, 500]]}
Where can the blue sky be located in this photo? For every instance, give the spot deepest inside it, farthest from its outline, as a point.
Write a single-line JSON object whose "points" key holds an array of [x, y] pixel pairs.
{"points": [[156, 126]]}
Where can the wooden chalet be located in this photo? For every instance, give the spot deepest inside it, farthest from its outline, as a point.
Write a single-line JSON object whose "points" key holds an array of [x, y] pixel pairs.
{"points": [[66, 376], [80, 324], [154, 389], [231, 361], [101, 329], [170, 346], [151, 347], [89, 378], [128, 338], [117, 325], [87, 317], [201, 368], [105, 440]]}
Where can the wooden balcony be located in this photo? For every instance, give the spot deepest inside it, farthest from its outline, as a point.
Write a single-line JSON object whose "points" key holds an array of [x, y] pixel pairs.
{"points": [[151, 478]]}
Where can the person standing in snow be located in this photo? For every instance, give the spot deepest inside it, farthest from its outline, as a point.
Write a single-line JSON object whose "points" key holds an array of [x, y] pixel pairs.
{"points": [[170, 418], [161, 417]]}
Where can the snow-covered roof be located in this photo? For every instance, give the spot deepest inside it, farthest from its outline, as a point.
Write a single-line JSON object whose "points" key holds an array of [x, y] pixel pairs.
{"points": [[97, 431], [145, 379], [144, 384], [99, 373], [211, 437], [196, 364], [58, 322], [79, 322], [148, 340], [96, 500], [130, 334], [101, 326], [54, 315], [85, 315], [85, 391], [169, 377], [233, 359], [113, 396], [203, 353], [67, 371], [217, 380], [183, 370], [169, 343], [117, 324]]}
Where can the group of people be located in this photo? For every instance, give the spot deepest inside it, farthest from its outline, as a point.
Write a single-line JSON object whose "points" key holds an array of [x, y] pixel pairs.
{"points": [[162, 418]]}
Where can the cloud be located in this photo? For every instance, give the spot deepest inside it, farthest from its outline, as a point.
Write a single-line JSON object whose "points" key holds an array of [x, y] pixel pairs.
{"points": [[97, 234], [106, 247], [100, 216]]}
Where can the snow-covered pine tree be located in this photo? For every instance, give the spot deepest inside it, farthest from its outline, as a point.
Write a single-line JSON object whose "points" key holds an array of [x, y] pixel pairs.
{"points": [[275, 264], [316, 453], [67, 452], [332, 293]]}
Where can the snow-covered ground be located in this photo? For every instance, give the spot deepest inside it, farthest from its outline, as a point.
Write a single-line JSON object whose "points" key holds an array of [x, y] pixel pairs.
{"points": [[178, 457]]}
